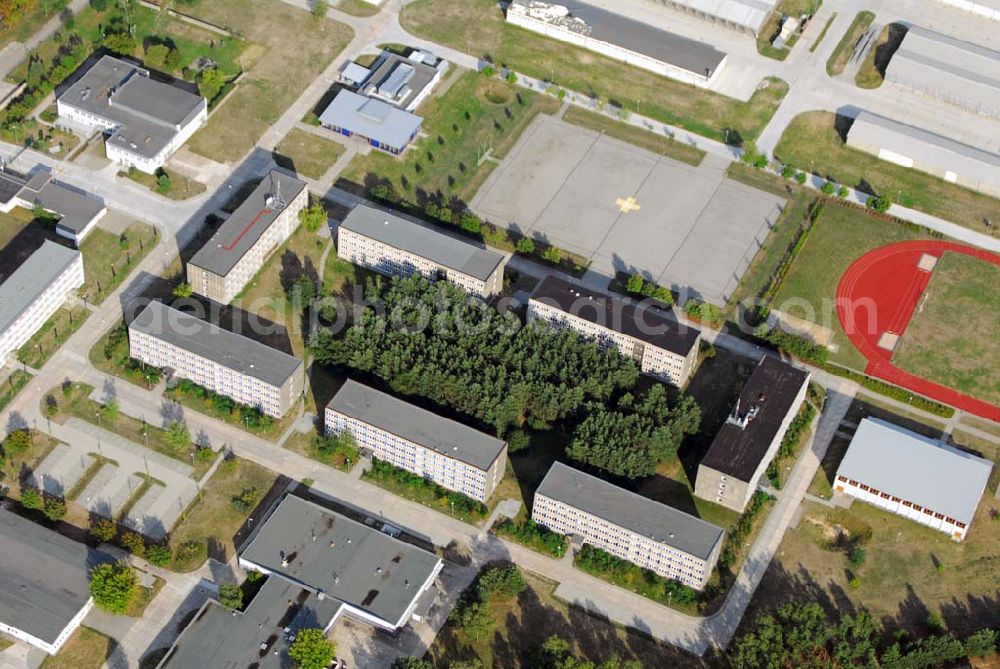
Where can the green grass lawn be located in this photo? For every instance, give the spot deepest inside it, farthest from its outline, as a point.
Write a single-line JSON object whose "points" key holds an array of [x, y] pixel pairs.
{"points": [[952, 337], [523, 623], [357, 7], [306, 153], [179, 187], [840, 236], [898, 580], [478, 27], [812, 142], [78, 404], [474, 113], [295, 49], [12, 385], [665, 146], [212, 520], [53, 334], [306, 443], [108, 259], [86, 648], [845, 47]]}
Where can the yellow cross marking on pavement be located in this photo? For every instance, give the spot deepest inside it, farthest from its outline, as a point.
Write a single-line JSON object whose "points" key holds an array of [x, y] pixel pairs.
{"points": [[627, 205]]}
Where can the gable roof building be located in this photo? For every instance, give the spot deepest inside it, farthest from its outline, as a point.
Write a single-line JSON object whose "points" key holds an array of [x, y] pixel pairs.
{"points": [[749, 439], [396, 246], [926, 151], [44, 588], [650, 534], [913, 476], [320, 566], [145, 120], [940, 66]]}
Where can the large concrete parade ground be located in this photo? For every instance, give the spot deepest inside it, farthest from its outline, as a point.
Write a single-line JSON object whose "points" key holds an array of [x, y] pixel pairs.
{"points": [[628, 209]]}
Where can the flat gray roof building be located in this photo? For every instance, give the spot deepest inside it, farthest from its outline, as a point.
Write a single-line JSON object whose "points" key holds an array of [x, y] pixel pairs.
{"points": [[209, 341], [631, 511], [244, 227], [385, 126], [321, 564], [43, 579], [148, 114], [961, 73], [442, 435], [20, 290], [642, 38], [400, 80], [917, 469], [440, 248], [78, 211], [926, 151]]}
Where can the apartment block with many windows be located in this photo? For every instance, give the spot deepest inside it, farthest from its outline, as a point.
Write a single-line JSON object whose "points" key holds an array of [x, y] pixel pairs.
{"points": [[35, 291], [453, 455], [745, 445], [659, 344], [237, 251], [674, 544], [226, 363], [913, 476], [395, 246]]}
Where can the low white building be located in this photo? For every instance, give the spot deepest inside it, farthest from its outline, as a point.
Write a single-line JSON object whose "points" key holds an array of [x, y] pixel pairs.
{"points": [[77, 212], [44, 591], [395, 246], [661, 346], [453, 455], [35, 291], [621, 38], [402, 81], [913, 476], [144, 120], [321, 566]]}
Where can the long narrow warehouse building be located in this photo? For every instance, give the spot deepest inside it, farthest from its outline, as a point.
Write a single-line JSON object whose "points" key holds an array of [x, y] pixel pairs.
{"points": [[453, 455], [960, 73], [395, 246], [34, 291], [988, 9], [226, 363], [621, 38], [649, 534], [659, 344], [926, 151], [743, 15]]}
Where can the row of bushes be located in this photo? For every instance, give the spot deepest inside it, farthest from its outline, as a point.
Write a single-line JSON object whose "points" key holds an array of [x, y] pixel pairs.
{"points": [[468, 222], [787, 260], [623, 573], [252, 417], [536, 537], [797, 346], [790, 442], [41, 82], [702, 311], [460, 504], [739, 532], [889, 390]]}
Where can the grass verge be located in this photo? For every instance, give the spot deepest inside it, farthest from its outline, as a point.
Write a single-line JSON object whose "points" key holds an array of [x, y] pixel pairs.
{"points": [[86, 648], [479, 27], [307, 154], [845, 47], [822, 34], [171, 185], [665, 146], [15, 381], [54, 332], [418, 489], [108, 260]]}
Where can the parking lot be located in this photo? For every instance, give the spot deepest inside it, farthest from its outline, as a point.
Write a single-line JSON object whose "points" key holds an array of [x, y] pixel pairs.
{"points": [[627, 209]]}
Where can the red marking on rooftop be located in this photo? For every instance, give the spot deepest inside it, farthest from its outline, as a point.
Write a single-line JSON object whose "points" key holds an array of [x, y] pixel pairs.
{"points": [[232, 245]]}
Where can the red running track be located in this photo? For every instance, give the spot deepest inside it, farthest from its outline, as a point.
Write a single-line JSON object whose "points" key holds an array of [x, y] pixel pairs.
{"points": [[878, 294]]}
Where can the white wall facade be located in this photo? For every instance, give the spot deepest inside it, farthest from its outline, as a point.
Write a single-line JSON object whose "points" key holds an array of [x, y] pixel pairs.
{"points": [[901, 507], [384, 259], [247, 390], [626, 544], [447, 472], [517, 15], [53, 297], [53, 647], [655, 361]]}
